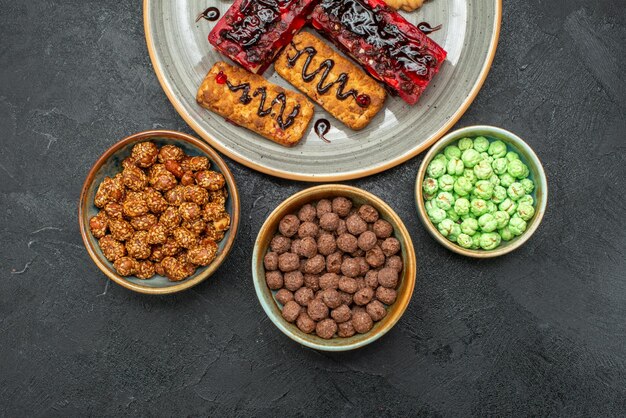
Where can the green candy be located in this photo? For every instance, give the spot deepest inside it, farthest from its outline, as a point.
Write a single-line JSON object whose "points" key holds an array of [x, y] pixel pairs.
{"points": [[476, 240], [455, 232], [495, 180], [497, 149], [478, 207], [436, 168], [526, 199], [470, 158], [468, 173], [500, 166], [517, 225], [446, 226], [452, 151], [511, 156], [465, 144], [526, 172], [506, 180], [515, 191], [437, 215], [483, 189], [455, 167], [462, 206], [444, 200], [429, 196], [462, 186], [481, 144], [502, 218], [430, 185], [429, 204], [469, 226], [487, 222], [508, 206], [499, 194], [441, 157], [483, 170], [452, 214], [525, 211], [506, 234], [464, 240], [528, 185], [517, 169], [491, 207], [446, 183], [490, 240]]}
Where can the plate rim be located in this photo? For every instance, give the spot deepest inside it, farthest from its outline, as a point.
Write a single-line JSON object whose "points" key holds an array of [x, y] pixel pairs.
{"points": [[324, 178]]}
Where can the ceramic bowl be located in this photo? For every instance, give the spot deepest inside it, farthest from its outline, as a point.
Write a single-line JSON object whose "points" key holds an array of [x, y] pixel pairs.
{"points": [[273, 308], [527, 155], [109, 164]]}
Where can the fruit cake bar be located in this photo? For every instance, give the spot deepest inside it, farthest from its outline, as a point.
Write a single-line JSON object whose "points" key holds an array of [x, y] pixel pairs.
{"points": [[389, 47], [253, 32]]}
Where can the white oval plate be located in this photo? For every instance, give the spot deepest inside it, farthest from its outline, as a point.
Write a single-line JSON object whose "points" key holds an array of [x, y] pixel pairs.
{"points": [[181, 56]]}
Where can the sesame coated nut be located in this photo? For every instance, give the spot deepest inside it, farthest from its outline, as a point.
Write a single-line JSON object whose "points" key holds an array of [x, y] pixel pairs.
{"points": [[170, 152], [157, 253], [189, 211], [210, 180], [170, 218], [110, 190], [98, 225], [145, 270], [203, 255], [125, 266], [120, 229], [114, 210], [144, 154], [134, 178], [188, 178], [175, 168], [196, 194], [144, 222], [184, 237], [195, 163], [138, 247], [170, 248], [196, 227], [111, 248]]}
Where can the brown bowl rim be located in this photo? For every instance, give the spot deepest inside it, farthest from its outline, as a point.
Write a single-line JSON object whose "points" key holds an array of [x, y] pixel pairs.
{"points": [[410, 265], [233, 192]]}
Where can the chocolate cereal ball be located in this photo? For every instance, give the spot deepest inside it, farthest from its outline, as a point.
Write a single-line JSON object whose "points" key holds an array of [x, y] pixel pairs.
{"points": [[356, 226], [288, 262], [345, 329], [329, 221], [348, 284], [333, 262], [326, 329], [341, 228], [390, 246], [329, 281], [362, 322], [388, 277], [283, 296], [364, 267], [341, 314], [303, 296], [363, 296], [270, 261], [346, 298], [347, 243], [386, 295], [326, 244], [368, 213], [371, 279], [312, 281], [322, 207], [295, 246], [307, 213], [308, 247], [376, 310], [375, 257], [274, 279], [315, 265], [394, 262], [331, 298], [317, 310], [382, 229], [289, 225], [308, 229], [350, 267], [305, 323], [280, 244], [367, 240], [293, 280], [291, 311], [342, 206]]}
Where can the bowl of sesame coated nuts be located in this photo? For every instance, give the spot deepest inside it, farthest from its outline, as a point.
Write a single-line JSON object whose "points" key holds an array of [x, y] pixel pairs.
{"points": [[159, 212], [481, 191]]}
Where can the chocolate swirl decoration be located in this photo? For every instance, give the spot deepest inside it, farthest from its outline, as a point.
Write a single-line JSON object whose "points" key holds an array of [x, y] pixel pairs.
{"points": [[245, 99], [325, 68]]}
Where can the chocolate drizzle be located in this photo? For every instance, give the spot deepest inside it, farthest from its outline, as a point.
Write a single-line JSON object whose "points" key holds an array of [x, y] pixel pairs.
{"points": [[281, 98], [322, 126], [211, 14], [324, 68], [427, 29]]}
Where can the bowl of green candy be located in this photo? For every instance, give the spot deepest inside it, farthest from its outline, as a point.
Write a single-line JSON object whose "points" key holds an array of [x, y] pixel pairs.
{"points": [[481, 191]]}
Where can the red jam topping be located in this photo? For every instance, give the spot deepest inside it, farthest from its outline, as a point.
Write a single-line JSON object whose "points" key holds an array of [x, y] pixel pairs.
{"points": [[221, 78], [363, 100]]}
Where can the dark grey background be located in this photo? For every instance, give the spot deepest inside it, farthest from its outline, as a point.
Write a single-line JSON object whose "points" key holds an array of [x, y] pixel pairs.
{"points": [[541, 331]]}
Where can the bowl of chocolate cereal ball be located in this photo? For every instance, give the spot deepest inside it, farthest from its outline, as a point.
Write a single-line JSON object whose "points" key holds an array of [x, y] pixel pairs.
{"points": [[481, 191], [159, 212], [334, 267]]}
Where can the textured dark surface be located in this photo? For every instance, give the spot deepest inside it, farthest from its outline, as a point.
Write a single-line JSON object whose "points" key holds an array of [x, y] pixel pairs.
{"points": [[541, 331]]}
